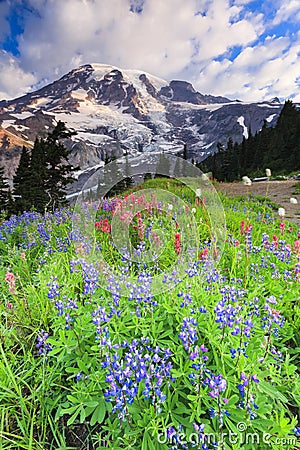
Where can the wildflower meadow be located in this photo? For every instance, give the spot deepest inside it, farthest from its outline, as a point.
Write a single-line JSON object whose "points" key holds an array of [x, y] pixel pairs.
{"points": [[159, 337]]}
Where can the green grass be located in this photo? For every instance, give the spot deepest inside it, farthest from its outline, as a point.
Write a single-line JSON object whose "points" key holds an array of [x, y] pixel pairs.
{"points": [[297, 189], [58, 399]]}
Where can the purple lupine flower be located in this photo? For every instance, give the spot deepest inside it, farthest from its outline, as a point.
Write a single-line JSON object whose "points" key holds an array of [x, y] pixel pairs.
{"points": [[247, 403], [43, 347], [273, 316], [139, 364], [90, 275], [60, 307], [54, 288], [297, 431], [65, 307], [188, 334], [217, 384], [78, 376]]}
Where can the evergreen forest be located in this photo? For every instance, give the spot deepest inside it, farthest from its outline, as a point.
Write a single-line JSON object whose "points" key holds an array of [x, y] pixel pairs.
{"points": [[275, 147], [42, 175]]}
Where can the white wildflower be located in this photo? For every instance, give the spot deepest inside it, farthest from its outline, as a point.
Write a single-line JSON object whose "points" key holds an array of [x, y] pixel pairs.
{"points": [[170, 207], [246, 181], [198, 192], [293, 201], [268, 173], [194, 210], [281, 212]]}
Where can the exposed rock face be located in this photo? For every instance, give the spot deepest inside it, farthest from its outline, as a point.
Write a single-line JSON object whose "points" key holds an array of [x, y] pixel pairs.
{"points": [[118, 112], [150, 88], [182, 91], [85, 156]]}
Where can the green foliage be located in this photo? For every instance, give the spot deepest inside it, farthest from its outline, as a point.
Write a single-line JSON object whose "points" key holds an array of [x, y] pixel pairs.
{"points": [[277, 148], [22, 183], [58, 398], [185, 152], [4, 192], [58, 170], [297, 189], [41, 178], [36, 194]]}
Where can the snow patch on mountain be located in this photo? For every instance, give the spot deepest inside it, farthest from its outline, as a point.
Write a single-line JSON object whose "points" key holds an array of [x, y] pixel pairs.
{"points": [[206, 107], [241, 121], [39, 102], [81, 172], [23, 115], [7, 123], [20, 127], [268, 105], [79, 94], [270, 118], [129, 75]]}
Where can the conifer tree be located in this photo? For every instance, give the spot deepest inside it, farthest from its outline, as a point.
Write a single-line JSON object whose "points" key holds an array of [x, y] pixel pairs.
{"points": [[275, 147], [229, 162], [41, 179], [179, 168], [58, 171], [37, 195], [185, 152], [120, 186], [22, 183], [147, 176], [10, 203], [111, 174], [4, 192]]}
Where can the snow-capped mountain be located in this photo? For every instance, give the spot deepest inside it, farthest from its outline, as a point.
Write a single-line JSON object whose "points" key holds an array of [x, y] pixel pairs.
{"points": [[117, 112]]}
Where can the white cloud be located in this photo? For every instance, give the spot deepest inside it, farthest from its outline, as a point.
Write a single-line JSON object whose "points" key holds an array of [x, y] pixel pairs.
{"points": [[163, 39], [289, 10], [254, 57], [14, 80], [190, 40], [258, 73]]}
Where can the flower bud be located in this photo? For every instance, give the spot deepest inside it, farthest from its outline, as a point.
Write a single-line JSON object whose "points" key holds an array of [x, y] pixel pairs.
{"points": [[268, 173], [246, 181]]}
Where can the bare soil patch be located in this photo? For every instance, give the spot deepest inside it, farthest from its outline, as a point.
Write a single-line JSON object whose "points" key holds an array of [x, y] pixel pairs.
{"points": [[279, 192]]}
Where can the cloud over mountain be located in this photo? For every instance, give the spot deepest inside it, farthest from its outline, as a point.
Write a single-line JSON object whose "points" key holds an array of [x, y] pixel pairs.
{"points": [[224, 47]]}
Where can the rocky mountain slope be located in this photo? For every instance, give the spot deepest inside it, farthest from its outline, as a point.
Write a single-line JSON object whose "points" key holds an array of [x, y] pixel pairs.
{"points": [[117, 112]]}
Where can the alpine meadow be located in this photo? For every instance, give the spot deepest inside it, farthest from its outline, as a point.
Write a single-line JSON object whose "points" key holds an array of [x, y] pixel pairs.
{"points": [[168, 335]]}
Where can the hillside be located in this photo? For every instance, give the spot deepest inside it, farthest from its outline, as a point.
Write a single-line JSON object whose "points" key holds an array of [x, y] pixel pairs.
{"points": [[277, 148]]}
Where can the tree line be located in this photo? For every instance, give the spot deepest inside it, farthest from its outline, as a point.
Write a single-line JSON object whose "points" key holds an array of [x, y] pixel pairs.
{"points": [[277, 148], [41, 177], [43, 174]]}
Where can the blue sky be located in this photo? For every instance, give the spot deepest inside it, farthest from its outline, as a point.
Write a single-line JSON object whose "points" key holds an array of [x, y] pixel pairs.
{"points": [[242, 49]]}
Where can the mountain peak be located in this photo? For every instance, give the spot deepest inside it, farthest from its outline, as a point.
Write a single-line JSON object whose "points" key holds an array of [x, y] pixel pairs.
{"points": [[275, 100], [126, 111]]}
